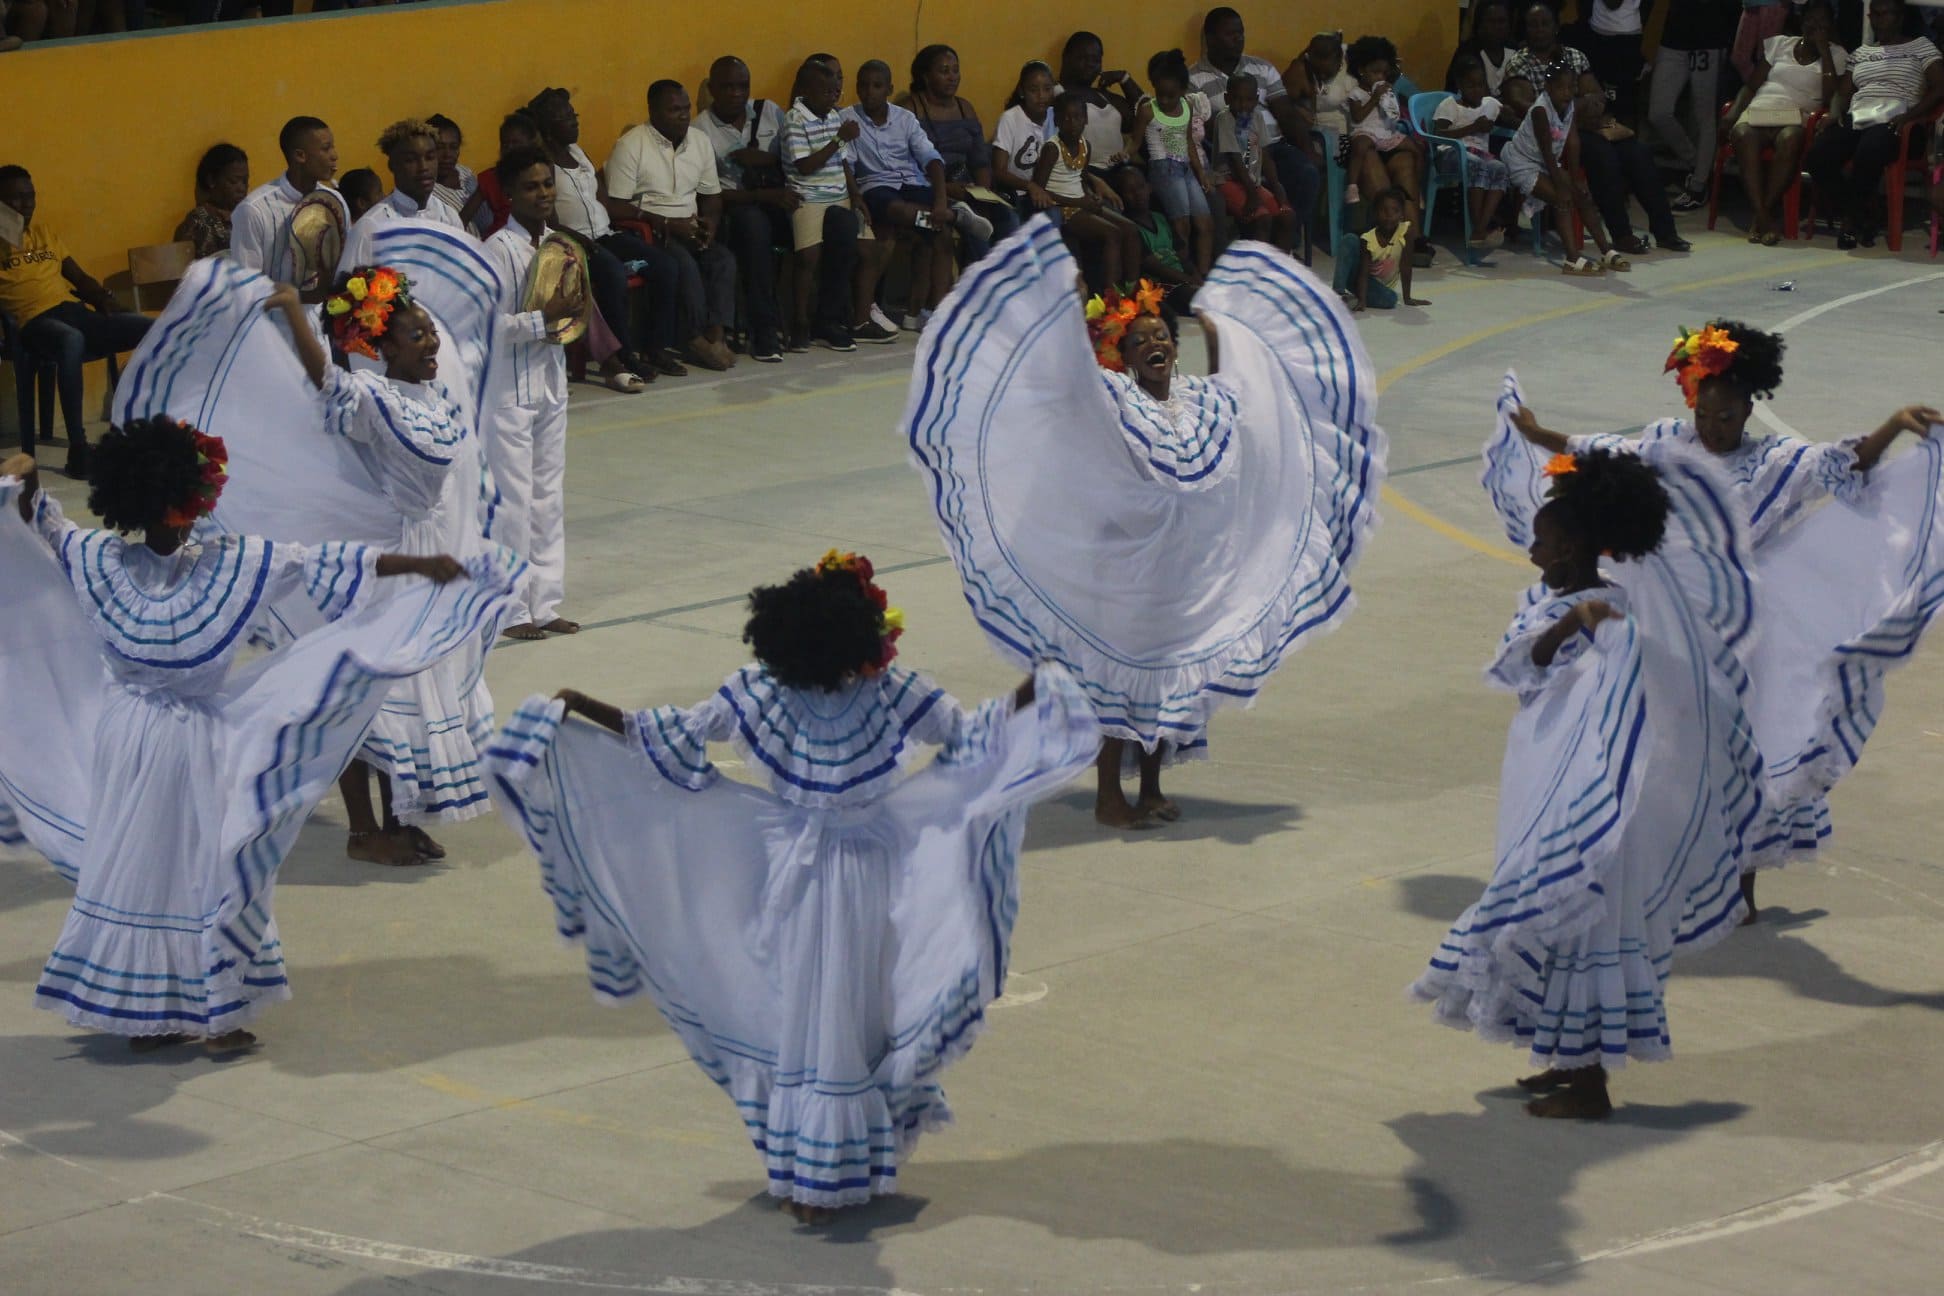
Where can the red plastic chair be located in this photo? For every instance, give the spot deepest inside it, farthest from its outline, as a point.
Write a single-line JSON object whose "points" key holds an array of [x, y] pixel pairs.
{"points": [[1791, 201], [1897, 175], [578, 353]]}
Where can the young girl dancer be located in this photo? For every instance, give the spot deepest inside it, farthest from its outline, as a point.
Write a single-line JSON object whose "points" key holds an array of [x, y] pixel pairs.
{"points": [[1846, 591], [196, 779], [1170, 539], [1630, 770], [825, 947]]}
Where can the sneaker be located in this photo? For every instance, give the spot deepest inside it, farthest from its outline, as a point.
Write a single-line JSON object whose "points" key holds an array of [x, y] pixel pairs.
{"points": [[766, 351], [873, 332], [916, 323], [970, 222], [833, 337], [1688, 200], [883, 321]]}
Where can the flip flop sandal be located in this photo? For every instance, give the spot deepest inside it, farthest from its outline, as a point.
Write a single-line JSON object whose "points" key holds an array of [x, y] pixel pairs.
{"points": [[1579, 265], [630, 383], [1614, 261]]}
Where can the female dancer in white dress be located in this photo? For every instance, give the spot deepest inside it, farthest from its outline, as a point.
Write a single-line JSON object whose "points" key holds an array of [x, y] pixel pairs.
{"points": [[169, 787], [1631, 776], [827, 946], [1169, 539], [1846, 590]]}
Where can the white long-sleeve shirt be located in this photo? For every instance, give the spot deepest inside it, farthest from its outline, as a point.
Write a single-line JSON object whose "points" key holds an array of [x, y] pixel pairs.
{"points": [[260, 229], [530, 370], [394, 206]]}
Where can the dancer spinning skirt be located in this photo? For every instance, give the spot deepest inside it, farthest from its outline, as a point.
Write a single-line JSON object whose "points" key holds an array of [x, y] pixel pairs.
{"points": [[1631, 775], [1169, 539], [387, 452], [1847, 587], [193, 780], [827, 944]]}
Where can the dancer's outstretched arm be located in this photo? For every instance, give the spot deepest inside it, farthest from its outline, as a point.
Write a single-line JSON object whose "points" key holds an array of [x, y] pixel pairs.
{"points": [[309, 349], [1545, 438], [437, 568], [23, 467], [1912, 418], [601, 713]]}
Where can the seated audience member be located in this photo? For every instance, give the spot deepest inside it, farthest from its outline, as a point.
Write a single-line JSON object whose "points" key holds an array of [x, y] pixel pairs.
{"points": [[456, 183], [1382, 153], [747, 137], [1087, 208], [1470, 116], [1174, 123], [1617, 164], [830, 225], [903, 181], [665, 174], [1023, 130], [487, 210], [1895, 79], [1611, 33], [952, 125], [1113, 97], [1373, 269], [361, 190], [1286, 132], [222, 181], [1244, 175], [411, 149], [24, 21], [64, 315], [1490, 42], [583, 208], [1794, 77], [1761, 21], [1160, 259], [1319, 81], [260, 225], [1693, 45]]}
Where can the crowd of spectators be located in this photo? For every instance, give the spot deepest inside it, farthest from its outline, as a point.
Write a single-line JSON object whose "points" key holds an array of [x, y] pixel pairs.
{"points": [[31, 20]]}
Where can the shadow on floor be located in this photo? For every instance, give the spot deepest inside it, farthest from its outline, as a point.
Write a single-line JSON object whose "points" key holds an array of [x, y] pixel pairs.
{"points": [[1067, 820]]}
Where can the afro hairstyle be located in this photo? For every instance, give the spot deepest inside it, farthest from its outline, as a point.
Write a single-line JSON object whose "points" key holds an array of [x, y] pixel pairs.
{"points": [[1368, 49], [1757, 366], [140, 470], [1613, 503], [816, 629]]}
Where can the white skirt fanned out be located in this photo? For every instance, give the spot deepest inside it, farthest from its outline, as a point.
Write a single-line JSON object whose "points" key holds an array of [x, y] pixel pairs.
{"points": [[1170, 554], [1632, 793], [822, 965]]}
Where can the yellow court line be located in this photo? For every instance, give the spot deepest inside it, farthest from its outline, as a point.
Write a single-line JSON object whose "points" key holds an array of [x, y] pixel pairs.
{"points": [[1491, 548]]}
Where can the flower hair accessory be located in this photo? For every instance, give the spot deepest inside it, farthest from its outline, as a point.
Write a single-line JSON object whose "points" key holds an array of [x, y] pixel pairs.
{"points": [[360, 309], [1109, 318], [1708, 353], [890, 619], [1560, 465], [212, 462]]}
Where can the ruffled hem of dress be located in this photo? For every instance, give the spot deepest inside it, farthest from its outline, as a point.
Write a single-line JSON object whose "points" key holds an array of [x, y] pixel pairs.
{"points": [[108, 977], [1029, 280], [441, 781]]}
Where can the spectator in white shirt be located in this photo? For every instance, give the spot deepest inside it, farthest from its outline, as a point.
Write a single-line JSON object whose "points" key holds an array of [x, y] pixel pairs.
{"points": [[666, 173], [260, 226], [756, 202], [1287, 128], [411, 149]]}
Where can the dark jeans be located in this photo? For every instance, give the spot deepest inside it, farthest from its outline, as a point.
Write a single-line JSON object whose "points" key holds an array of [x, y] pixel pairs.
{"points": [[1617, 62], [753, 232], [1302, 179], [608, 269], [836, 267], [1614, 170], [705, 280], [1868, 152], [71, 335]]}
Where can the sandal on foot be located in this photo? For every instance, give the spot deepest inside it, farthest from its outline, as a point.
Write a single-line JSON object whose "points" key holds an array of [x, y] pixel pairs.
{"points": [[1771, 239], [526, 631], [1579, 265], [629, 383], [381, 847], [561, 625], [1546, 1081], [236, 1041], [1614, 261]]}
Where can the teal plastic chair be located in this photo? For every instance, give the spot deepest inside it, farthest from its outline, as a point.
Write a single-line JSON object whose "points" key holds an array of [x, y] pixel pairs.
{"points": [[1335, 180], [1440, 148]]}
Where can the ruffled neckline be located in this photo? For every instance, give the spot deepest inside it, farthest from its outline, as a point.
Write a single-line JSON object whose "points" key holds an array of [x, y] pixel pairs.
{"points": [[1187, 440], [830, 749], [185, 622]]}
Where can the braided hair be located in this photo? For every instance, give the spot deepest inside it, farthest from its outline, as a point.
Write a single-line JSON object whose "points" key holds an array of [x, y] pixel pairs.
{"points": [[1612, 503], [142, 470], [815, 630]]}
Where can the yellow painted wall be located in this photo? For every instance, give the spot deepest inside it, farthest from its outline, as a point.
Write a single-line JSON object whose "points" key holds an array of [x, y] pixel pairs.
{"points": [[115, 166]]}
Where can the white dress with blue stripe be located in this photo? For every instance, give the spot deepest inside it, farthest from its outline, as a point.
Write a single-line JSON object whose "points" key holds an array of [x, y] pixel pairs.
{"points": [[193, 779], [1850, 568], [1631, 794], [1169, 555], [823, 948], [397, 465]]}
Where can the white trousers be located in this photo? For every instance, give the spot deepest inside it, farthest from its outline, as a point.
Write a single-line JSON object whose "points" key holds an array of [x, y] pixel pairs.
{"points": [[528, 455]]}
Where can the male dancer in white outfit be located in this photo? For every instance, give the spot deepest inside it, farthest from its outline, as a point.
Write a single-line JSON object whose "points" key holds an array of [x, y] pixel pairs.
{"points": [[260, 226], [527, 441], [411, 149]]}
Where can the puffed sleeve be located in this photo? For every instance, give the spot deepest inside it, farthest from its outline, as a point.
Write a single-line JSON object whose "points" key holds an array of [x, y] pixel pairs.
{"points": [[415, 441], [1513, 668], [675, 740], [336, 577]]}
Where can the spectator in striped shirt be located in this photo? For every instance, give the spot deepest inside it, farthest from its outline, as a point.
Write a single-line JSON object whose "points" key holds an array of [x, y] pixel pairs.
{"points": [[1894, 81], [829, 224]]}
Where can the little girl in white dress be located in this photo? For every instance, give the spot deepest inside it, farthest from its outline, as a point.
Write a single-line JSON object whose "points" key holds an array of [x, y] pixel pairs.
{"points": [[825, 945]]}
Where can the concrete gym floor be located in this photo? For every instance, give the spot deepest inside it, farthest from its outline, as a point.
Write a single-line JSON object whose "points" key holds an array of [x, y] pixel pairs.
{"points": [[1205, 1077]]}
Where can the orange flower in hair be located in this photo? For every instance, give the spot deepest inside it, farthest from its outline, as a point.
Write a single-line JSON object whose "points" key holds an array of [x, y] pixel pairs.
{"points": [[1560, 465], [1696, 356], [360, 310], [1109, 317]]}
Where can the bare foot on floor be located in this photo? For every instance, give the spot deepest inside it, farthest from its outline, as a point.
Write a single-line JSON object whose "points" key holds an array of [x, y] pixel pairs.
{"points": [[1545, 1081], [804, 1213], [1158, 807], [526, 631], [150, 1043], [1123, 815], [421, 841], [381, 847], [236, 1041], [561, 625]]}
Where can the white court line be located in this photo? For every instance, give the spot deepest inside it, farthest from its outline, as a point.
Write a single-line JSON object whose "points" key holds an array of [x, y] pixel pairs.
{"points": [[1762, 410]]}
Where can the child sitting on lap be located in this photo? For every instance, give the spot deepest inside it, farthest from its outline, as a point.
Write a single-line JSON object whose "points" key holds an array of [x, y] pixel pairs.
{"points": [[1470, 117], [1244, 174]]}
